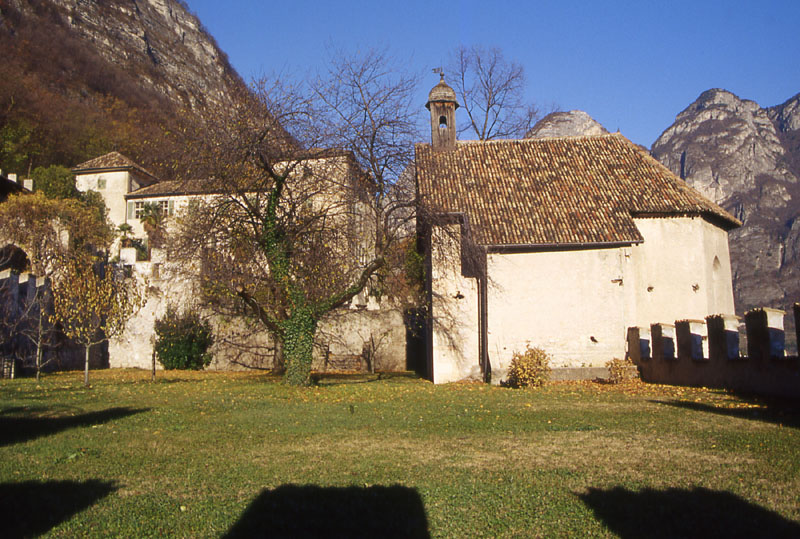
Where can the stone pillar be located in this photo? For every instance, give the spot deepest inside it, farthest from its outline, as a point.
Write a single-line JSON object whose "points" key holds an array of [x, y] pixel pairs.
{"points": [[692, 338], [30, 289], [638, 344], [9, 285], [765, 337], [645, 342], [723, 336], [663, 341]]}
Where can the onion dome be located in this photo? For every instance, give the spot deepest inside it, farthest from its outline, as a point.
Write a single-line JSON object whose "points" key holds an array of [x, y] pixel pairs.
{"points": [[441, 93]]}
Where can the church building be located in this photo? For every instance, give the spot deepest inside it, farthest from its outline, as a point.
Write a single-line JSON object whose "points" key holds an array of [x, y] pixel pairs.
{"points": [[557, 243]]}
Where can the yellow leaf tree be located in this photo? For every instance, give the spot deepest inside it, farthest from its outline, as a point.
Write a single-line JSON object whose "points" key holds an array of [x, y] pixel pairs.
{"points": [[93, 303], [48, 231]]}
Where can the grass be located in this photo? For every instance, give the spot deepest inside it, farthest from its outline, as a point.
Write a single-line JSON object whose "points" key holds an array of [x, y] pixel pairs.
{"points": [[237, 454]]}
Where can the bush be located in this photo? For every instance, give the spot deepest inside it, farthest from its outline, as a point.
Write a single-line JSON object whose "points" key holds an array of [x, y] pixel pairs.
{"points": [[183, 340], [529, 369], [619, 370]]}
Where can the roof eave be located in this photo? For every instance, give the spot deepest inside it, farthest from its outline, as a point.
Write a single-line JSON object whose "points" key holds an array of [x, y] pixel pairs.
{"points": [[123, 168], [556, 246], [726, 222]]}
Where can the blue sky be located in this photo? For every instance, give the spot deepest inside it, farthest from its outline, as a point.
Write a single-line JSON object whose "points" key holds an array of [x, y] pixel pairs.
{"points": [[633, 66]]}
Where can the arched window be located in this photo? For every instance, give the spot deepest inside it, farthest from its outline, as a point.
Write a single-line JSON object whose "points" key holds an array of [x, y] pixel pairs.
{"points": [[442, 122]]}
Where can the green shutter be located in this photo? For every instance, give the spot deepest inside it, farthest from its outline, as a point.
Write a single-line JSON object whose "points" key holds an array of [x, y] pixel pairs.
{"points": [[171, 207], [131, 215]]}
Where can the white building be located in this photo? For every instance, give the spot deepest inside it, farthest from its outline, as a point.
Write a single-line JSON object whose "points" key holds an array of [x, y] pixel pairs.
{"points": [[558, 243], [343, 336]]}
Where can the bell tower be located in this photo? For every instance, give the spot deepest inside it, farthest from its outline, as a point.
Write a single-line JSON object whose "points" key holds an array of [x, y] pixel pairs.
{"points": [[442, 104]]}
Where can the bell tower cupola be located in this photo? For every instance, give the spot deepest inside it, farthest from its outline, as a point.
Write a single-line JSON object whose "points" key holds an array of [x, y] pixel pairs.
{"points": [[442, 104]]}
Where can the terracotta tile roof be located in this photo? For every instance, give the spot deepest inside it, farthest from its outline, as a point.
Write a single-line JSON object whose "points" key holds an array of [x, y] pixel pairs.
{"points": [[111, 161], [176, 188], [557, 191]]}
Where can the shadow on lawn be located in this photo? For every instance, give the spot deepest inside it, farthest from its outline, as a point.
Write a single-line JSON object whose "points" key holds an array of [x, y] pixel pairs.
{"points": [[771, 411], [34, 507], [334, 379], [312, 511], [19, 425], [685, 513]]}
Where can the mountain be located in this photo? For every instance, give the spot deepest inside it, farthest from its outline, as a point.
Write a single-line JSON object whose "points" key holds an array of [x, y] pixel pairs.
{"points": [[747, 159], [566, 124], [79, 78]]}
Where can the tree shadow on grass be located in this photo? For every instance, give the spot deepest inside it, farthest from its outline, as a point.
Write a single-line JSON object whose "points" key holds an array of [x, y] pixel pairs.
{"points": [[23, 424], [32, 508], [312, 511], [336, 379], [771, 411], [675, 513]]}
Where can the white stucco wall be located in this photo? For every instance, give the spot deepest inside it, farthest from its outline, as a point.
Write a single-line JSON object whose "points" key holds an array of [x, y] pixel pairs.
{"points": [[673, 273], [117, 184], [454, 305], [179, 203], [577, 304], [569, 303], [239, 345]]}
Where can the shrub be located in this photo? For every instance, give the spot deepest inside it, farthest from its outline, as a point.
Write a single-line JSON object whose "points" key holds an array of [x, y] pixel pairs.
{"points": [[619, 370], [183, 340], [529, 369]]}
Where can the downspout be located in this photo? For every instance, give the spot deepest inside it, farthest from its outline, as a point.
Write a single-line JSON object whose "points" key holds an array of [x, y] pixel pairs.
{"points": [[483, 326]]}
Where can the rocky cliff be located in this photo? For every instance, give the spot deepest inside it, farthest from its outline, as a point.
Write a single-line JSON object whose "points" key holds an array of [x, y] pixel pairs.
{"points": [[745, 158], [79, 78], [158, 42], [566, 124]]}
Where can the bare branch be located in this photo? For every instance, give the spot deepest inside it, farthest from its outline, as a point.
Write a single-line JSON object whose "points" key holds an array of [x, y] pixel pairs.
{"points": [[491, 90]]}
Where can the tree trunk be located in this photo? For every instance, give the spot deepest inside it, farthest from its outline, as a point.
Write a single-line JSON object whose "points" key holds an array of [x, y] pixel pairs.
{"points": [[86, 368], [278, 360], [38, 358], [298, 345], [39, 348]]}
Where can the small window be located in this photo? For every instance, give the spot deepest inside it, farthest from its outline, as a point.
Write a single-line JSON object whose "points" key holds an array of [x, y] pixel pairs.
{"points": [[101, 183], [166, 207], [138, 209], [442, 121]]}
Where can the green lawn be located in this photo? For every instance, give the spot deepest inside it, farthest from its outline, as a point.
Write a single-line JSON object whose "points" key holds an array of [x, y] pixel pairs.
{"points": [[210, 454]]}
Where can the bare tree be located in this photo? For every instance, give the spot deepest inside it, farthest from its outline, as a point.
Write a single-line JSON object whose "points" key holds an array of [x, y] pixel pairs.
{"points": [[26, 332], [491, 89], [302, 221]]}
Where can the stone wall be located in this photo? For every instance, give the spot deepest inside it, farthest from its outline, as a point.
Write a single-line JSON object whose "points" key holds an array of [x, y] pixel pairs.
{"points": [[24, 298], [372, 338], [707, 353]]}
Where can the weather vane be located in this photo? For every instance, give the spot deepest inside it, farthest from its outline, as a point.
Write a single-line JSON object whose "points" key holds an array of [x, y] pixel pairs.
{"points": [[440, 71]]}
